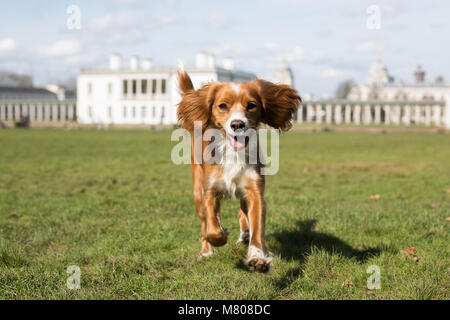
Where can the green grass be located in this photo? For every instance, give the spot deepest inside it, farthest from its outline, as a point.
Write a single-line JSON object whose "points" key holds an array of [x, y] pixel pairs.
{"points": [[113, 204]]}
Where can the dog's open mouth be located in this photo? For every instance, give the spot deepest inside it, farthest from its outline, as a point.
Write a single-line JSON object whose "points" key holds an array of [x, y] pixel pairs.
{"points": [[238, 142]]}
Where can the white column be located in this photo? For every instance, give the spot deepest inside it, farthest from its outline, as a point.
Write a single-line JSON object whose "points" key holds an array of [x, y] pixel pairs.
{"points": [[447, 112], [357, 114], [329, 113], [406, 115], [427, 115], [367, 114], [300, 114], [338, 114], [437, 115], [397, 115], [319, 110], [309, 113], [417, 117], [377, 114], [387, 114], [348, 114]]}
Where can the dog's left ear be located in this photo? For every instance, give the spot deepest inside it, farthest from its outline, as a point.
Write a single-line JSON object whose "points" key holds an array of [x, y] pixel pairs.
{"points": [[280, 102]]}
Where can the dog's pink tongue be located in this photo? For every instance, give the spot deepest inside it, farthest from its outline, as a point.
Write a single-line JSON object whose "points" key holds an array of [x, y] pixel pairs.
{"points": [[237, 145]]}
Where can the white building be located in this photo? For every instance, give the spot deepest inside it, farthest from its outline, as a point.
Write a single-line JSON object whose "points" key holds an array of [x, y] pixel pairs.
{"points": [[141, 93], [284, 75], [381, 86]]}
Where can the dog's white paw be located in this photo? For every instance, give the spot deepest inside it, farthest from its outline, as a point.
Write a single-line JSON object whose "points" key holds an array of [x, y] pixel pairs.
{"points": [[258, 260]]}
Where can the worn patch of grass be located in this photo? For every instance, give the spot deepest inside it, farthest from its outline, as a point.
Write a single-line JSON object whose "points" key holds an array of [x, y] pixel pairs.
{"points": [[112, 203]]}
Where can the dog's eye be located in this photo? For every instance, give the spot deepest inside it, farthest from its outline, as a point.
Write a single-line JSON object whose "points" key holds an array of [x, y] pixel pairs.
{"points": [[251, 106], [223, 106]]}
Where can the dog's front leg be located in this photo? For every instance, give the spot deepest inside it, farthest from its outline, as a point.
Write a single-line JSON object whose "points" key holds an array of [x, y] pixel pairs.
{"points": [[258, 257], [215, 234]]}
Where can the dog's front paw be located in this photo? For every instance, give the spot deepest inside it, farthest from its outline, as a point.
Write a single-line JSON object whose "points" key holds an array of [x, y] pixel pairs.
{"points": [[258, 260], [218, 238]]}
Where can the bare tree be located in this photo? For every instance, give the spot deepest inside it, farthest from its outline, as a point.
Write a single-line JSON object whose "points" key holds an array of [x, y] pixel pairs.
{"points": [[343, 89]]}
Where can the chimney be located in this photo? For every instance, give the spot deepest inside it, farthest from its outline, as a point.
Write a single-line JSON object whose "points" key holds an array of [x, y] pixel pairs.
{"points": [[201, 60], [211, 61], [147, 64], [134, 63], [419, 75], [228, 64], [115, 62]]}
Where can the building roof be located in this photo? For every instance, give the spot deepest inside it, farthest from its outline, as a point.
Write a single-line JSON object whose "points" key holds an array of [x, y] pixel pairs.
{"points": [[217, 69], [25, 94]]}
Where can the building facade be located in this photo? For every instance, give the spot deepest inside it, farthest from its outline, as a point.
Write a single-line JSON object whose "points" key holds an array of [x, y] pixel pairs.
{"points": [[141, 94], [382, 86]]}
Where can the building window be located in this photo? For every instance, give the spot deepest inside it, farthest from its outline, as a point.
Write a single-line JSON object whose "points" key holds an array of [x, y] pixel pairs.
{"points": [[89, 88], [110, 115], [51, 113], [43, 112], [125, 87], [13, 112], [59, 112], [144, 86], [154, 86], [20, 111], [144, 112], [134, 86], [154, 112], [133, 112], [124, 112], [66, 115], [6, 112], [35, 112], [110, 89], [163, 112], [90, 112], [163, 86]]}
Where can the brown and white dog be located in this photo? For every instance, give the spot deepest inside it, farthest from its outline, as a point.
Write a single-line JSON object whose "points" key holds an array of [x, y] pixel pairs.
{"points": [[234, 108]]}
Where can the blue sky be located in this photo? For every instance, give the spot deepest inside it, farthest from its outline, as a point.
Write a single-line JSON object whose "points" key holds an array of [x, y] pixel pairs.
{"points": [[325, 42]]}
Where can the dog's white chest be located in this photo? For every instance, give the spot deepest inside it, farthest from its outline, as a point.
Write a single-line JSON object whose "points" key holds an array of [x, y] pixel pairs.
{"points": [[235, 174]]}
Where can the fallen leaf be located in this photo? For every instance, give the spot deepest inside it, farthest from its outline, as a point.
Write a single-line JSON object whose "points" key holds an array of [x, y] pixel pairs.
{"points": [[434, 205], [374, 197], [448, 190], [14, 214], [409, 251], [416, 259], [447, 219]]}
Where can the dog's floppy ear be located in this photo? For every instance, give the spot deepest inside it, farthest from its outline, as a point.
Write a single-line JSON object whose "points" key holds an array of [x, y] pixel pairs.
{"points": [[195, 104], [280, 102]]}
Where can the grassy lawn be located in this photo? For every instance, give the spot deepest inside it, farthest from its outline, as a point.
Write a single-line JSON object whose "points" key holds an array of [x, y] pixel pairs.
{"points": [[113, 204]]}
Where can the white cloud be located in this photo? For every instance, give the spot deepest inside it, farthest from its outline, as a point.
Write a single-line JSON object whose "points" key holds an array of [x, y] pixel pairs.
{"points": [[369, 46], [219, 20], [7, 44], [79, 59], [332, 73], [271, 45], [61, 49]]}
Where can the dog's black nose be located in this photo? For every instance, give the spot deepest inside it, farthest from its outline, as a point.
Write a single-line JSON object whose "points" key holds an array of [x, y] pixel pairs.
{"points": [[237, 124]]}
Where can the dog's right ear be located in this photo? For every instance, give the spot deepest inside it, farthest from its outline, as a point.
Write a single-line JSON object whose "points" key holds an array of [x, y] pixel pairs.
{"points": [[195, 104]]}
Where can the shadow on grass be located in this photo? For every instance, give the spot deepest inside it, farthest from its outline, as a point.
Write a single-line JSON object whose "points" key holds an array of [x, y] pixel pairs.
{"points": [[298, 243]]}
